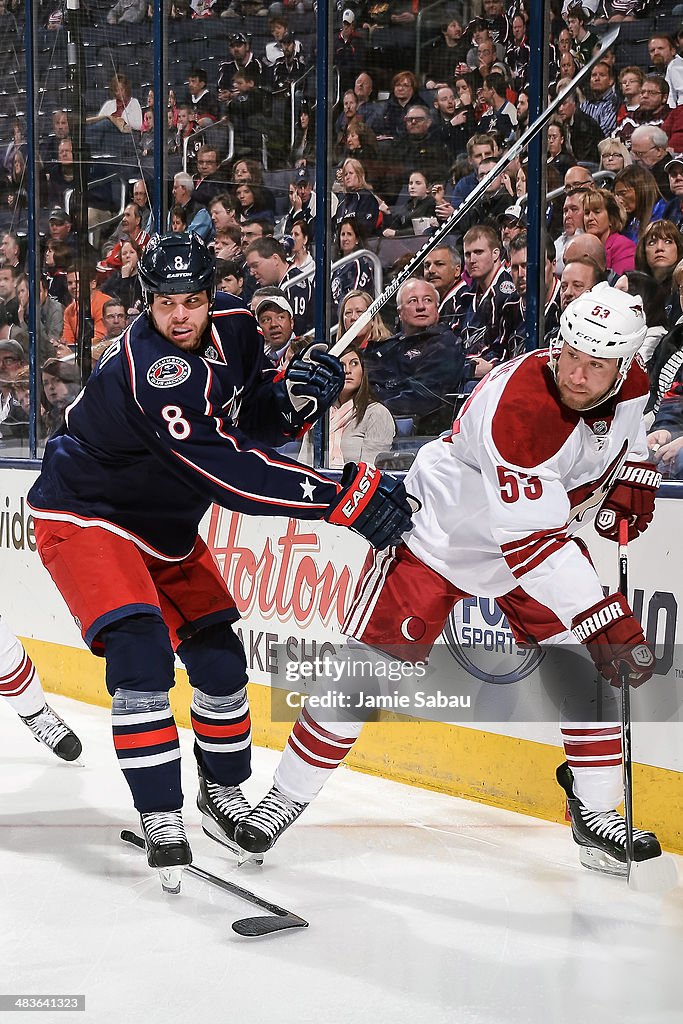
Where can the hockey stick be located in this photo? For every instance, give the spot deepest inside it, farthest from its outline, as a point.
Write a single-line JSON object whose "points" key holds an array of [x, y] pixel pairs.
{"points": [[658, 874], [507, 157], [249, 926]]}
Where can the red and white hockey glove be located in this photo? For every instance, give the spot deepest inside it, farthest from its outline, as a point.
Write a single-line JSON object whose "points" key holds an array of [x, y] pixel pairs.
{"points": [[374, 504], [632, 498], [615, 641]]}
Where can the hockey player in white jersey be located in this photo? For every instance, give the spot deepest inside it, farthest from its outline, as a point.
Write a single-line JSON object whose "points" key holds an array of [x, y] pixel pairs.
{"points": [[21, 688], [546, 443]]}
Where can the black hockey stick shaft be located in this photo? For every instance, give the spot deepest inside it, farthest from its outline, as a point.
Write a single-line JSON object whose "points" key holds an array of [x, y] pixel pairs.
{"points": [[505, 160], [626, 706], [283, 918]]}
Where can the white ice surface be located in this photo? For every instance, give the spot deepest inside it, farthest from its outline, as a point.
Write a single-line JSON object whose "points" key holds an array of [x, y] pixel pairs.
{"points": [[423, 909]]}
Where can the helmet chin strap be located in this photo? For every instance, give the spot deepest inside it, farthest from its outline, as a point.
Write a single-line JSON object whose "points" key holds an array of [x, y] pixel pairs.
{"points": [[616, 387]]}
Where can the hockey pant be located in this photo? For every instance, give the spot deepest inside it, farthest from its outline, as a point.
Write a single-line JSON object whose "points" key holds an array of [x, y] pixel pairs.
{"points": [[140, 673], [19, 682], [319, 742]]}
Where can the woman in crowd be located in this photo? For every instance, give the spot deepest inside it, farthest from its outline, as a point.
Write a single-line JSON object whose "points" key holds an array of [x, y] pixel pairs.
{"points": [[421, 204], [58, 256], [124, 283], [301, 234], [358, 200], [120, 115], [603, 218], [639, 199], [302, 152], [351, 307], [249, 171], [17, 145], [251, 203], [464, 105], [559, 154], [614, 156], [359, 426], [659, 251], [357, 273], [654, 306], [404, 92], [60, 379], [360, 142]]}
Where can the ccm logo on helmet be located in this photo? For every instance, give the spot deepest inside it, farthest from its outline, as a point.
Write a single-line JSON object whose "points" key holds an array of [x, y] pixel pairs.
{"points": [[590, 625]]}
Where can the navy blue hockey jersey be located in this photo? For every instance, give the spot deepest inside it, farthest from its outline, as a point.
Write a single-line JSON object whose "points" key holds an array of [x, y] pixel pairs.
{"points": [[158, 434]]}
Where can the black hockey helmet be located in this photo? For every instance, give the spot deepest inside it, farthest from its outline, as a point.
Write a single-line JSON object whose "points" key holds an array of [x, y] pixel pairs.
{"points": [[176, 263]]}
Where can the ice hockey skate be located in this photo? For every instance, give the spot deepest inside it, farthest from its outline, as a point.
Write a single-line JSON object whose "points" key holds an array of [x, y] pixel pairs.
{"points": [[167, 847], [601, 835], [223, 807], [49, 729], [276, 812]]}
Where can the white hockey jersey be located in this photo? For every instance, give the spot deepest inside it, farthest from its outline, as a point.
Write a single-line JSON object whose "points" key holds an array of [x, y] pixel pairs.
{"points": [[520, 474]]}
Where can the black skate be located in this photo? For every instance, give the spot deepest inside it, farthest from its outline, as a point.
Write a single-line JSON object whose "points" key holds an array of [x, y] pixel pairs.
{"points": [[267, 821], [167, 847], [48, 728], [223, 807], [601, 835]]}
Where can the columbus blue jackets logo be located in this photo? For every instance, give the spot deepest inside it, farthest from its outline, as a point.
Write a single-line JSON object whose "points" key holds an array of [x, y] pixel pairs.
{"points": [[168, 372]]}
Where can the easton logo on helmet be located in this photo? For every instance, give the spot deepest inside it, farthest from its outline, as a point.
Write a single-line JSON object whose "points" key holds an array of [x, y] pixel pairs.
{"points": [[168, 372]]}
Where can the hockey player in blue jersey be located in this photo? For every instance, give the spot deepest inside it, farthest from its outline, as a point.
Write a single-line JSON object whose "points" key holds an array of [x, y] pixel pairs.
{"points": [[181, 411]]}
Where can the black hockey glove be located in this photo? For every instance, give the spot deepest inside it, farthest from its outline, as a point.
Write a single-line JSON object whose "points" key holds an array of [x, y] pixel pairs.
{"points": [[311, 383], [373, 504]]}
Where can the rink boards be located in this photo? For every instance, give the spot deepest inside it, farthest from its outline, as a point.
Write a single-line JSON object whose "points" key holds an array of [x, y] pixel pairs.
{"points": [[293, 582]]}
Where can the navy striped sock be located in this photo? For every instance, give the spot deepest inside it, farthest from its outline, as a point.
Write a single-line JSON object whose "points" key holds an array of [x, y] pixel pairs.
{"points": [[146, 744]]}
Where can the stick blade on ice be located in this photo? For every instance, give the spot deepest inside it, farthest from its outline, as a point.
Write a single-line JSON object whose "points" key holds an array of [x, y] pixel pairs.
{"points": [[658, 874], [253, 927]]}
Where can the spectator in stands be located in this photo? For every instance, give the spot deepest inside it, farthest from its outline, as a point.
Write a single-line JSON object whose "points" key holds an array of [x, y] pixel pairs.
{"points": [[184, 129], [572, 224], [120, 115], [603, 218], [61, 129], [662, 51], [511, 223], [97, 301], [404, 94], [127, 12], [579, 275], [497, 22], [479, 148], [230, 276], [204, 105], [614, 156], [302, 234], [253, 230], [290, 67], [198, 218], [302, 198], [654, 306], [178, 218], [514, 329], [653, 108], [11, 250], [279, 27], [492, 288], [578, 179], [446, 54], [227, 243], [673, 210], [478, 31], [275, 317], [517, 54], [50, 318], [61, 174], [251, 203], [210, 179], [418, 373], [18, 143], [367, 108], [348, 114], [674, 78], [360, 143], [247, 112], [12, 364], [659, 251], [649, 148], [358, 200], [420, 204], [222, 211], [443, 269], [58, 256], [601, 99], [8, 292], [247, 170], [577, 19], [391, 31], [133, 230], [359, 426], [124, 283], [60, 379], [455, 122], [631, 81], [501, 116], [639, 199], [419, 146], [266, 261], [558, 154], [584, 132], [303, 150], [241, 59], [351, 307], [115, 322], [494, 202], [348, 54], [358, 274]]}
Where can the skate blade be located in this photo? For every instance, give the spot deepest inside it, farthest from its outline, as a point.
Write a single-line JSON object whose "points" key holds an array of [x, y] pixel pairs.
{"points": [[171, 878], [597, 860], [658, 874], [211, 829]]}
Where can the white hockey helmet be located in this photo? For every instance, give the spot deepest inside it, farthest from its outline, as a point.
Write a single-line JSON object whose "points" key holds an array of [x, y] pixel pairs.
{"points": [[606, 323]]}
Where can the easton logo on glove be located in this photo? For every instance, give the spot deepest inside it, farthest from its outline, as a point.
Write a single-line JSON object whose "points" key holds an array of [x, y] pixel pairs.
{"points": [[373, 504], [356, 498]]}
